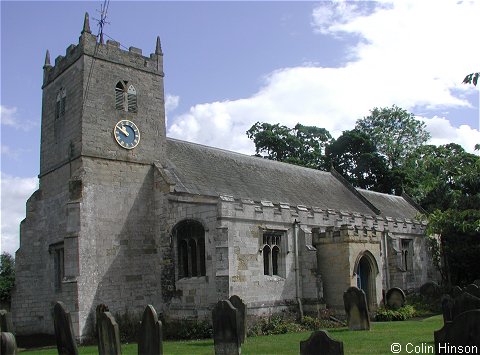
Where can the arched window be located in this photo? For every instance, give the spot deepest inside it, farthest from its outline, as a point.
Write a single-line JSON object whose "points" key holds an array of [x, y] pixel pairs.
{"points": [[190, 236], [275, 257], [125, 97], [266, 260], [183, 258], [60, 104], [271, 254], [407, 254]]}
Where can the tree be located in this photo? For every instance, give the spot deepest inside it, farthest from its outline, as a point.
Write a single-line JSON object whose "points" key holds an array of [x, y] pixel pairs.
{"points": [[395, 133], [355, 157], [7, 277], [443, 177], [301, 145], [471, 79], [445, 182], [457, 253]]}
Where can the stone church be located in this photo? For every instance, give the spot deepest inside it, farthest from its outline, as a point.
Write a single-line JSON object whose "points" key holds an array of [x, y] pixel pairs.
{"points": [[127, 217]]}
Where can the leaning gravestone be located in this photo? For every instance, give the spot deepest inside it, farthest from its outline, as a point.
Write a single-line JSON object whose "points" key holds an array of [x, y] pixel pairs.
{"points": [[109, 335], [463, 331], [464, 302], [320, 343], [226, 325], [150, 340], [6, 324], [242, 313], [356, 308], [98, 311], [64, 335], [8, 345], [395, 298]]}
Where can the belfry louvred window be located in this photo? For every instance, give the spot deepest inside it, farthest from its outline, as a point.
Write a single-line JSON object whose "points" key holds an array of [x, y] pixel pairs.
{"points": [[125, 97]]}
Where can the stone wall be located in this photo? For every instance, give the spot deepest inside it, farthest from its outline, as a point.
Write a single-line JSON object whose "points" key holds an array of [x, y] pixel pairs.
{"points": [[45, 226]]}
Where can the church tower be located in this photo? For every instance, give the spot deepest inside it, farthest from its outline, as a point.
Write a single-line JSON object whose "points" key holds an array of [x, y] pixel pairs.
{"points": [[90, 229]]}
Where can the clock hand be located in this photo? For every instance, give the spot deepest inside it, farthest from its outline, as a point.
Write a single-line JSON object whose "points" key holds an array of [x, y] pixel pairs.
{"points": [[124, 130]]}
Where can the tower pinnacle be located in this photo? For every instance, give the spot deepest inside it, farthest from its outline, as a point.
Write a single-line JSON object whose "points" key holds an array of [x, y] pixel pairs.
{"points": [[47, 60], [86, 24], [158, 47]]}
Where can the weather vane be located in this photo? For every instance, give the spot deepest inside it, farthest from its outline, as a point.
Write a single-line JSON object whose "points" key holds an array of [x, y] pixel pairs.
{"points": [[102, 21]]}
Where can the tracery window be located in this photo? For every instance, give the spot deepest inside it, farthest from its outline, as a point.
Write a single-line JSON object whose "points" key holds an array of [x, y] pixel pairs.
{"points": [[60, 103], [190, 237], [271, 253], [125, 97]]}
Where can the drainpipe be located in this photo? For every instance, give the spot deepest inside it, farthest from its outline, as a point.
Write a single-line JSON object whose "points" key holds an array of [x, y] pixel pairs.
{"points": [[385, 253], [298, 291]]}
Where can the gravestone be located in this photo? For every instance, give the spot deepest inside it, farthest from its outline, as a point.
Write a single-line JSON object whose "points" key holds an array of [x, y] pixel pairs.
{"points": [[109, 335], [64, 335], [463, 331], [242, 313], [8, 345], [447, 308], [395, 298], [464, 302], [473, 289], [150, 339], [226, 325], [430, 290], [6, 324], [355, 303], [98, 311], [320, 343]]}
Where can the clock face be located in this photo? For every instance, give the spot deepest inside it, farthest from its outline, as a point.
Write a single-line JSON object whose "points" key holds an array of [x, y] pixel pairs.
{"points": [[126, 134]]}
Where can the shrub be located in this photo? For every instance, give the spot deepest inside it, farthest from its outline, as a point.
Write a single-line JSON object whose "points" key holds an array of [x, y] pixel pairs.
{"points": [[388, 315], [187, 329]]}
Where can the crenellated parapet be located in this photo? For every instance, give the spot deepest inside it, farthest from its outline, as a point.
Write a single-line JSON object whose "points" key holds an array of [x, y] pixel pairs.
{"points": [[331, 224], [110, 51]]}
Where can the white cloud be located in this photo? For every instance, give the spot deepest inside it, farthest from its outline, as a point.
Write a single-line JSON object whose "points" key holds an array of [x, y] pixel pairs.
{"points": [[412, 54], [171, 102], [9, 117], [443, 133], [14, 192]]}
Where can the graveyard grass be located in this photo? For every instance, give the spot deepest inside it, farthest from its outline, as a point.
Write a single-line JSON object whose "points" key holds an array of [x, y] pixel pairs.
{"points": [[376, 341]]}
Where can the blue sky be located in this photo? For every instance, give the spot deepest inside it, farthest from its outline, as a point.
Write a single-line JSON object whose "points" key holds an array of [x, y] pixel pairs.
{"points": [[230, 64]]}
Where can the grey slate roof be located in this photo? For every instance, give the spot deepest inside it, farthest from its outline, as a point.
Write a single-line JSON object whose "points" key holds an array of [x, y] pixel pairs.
{"points": [[202, 170], [390, 205]]}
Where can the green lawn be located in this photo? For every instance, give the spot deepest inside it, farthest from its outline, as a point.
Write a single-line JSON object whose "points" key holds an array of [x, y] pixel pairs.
{"points": [[376, 341]]}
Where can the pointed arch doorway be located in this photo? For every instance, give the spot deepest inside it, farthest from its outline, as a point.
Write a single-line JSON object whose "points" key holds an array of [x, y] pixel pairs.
{"points": [[366, 272]]}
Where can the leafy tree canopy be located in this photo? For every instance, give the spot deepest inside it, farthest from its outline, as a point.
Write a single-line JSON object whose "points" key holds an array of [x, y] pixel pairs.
{"points": [[355, 157], [301, 145], [471, 79], [394, 131], [7, 276], [443, 177]]}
